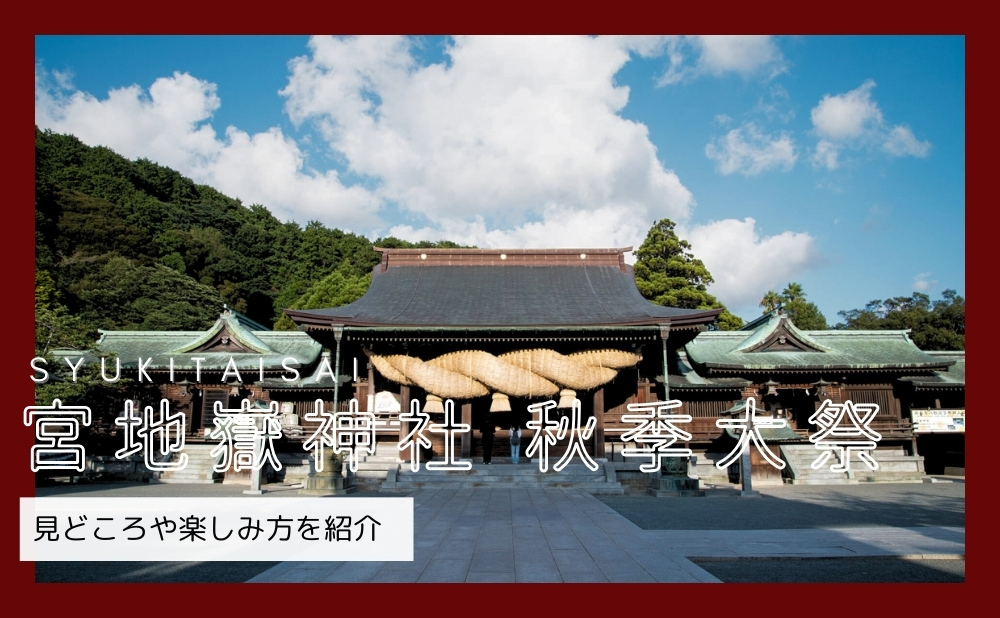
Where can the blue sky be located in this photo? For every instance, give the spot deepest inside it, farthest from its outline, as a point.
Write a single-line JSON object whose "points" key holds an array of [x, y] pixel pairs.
{"points": [[834, 161]]}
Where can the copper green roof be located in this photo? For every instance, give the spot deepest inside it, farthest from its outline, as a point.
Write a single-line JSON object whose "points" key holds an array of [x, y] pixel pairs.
{"points": [[502, 289], [949, 377], [230, 337], [773, 343], [683, 376]]}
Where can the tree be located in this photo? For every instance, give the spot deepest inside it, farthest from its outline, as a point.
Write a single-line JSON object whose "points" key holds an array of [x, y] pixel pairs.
{"points": [[792, 300], [771, 301], [937, 325], [804, 314], [792, 292], [668, 274], [339, 288]]}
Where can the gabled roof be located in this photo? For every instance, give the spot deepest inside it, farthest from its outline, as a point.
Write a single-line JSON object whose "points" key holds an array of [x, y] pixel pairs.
{"points": [[775, 344], [502, 289], [232, 336]]}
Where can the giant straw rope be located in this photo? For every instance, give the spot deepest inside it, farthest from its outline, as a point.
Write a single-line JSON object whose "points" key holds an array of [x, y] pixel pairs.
{"points": [[524, 373]]}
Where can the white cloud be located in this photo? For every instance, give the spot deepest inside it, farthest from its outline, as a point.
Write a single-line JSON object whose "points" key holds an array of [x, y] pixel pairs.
{"points": [[902, 142], [922, 282], [847, 116], [744, 264], [169, 125], [267, 168], [512, 130], [825, 155], [775, 104], [746, 55], [165, 124], [853, 120], [559, 227], [748, 151], [743, 54]]}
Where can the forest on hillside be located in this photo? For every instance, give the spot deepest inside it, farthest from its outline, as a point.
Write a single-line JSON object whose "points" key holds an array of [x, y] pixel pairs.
{"points": [[133, 245]]}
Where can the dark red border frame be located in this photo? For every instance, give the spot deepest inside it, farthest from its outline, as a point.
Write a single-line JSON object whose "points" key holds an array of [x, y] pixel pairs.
{"points": [[186, 17]]}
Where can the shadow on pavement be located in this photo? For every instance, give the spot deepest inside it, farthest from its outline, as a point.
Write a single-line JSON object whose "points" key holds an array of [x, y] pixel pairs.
{"points": [[884, 570], [904, 505]]}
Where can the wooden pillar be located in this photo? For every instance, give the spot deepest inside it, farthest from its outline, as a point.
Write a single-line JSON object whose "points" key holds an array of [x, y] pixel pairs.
{"points": [[404, 406], [599, 427], [371, 389], [467, 436], [664, 335], [338, 334]]}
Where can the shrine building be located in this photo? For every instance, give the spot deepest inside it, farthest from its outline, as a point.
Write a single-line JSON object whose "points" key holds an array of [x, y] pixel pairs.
{"points": [[488, 332]]}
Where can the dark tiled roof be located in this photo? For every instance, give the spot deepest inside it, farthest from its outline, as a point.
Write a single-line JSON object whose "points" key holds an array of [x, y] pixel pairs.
{"points": [[525, 289]]}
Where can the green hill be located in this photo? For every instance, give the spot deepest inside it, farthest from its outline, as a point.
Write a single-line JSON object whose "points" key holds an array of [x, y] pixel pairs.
{"points": [[123, 244]]}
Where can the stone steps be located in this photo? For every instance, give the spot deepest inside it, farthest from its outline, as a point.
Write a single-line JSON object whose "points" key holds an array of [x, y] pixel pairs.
{"points": [[501, 475], [199, 468], [799, 459], [894, 467]]}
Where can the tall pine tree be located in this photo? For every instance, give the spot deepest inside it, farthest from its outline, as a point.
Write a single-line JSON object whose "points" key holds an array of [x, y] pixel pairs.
{"points": [[668, 274]]}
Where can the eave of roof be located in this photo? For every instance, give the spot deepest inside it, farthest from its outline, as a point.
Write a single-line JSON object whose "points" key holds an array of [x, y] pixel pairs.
{"points": [[952, 377], [684, 377]]}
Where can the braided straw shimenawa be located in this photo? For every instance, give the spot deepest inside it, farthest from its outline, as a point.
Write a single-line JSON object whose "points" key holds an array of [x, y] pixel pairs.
{"points": [[437, 380], [561, 369], [501, 376], [524, 373]]}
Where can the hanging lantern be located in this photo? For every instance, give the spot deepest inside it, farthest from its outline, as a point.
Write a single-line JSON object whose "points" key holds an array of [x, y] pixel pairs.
{"points": [[771, 390], [433, 404], [821, 386], [566, 398], [501, 403]]}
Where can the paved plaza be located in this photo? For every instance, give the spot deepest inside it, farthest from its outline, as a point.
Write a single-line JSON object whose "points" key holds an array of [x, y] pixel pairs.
{"points": [[565, 535]]}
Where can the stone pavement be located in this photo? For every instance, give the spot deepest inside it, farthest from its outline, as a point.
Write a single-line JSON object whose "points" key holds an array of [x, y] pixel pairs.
{"points": [[565, 535]]}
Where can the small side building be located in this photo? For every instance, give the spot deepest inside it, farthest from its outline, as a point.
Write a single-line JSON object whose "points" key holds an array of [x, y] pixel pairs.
{"points": [[790, 372], [195, 370]]}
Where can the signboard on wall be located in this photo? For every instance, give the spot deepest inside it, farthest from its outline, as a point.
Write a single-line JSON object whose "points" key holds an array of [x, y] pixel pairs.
{"points": [[938, 421], [386, 402]]}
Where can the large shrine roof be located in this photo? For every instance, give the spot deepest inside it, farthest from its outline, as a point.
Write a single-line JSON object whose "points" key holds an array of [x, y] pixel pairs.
{"points": [[502, 288], [773, 343]]}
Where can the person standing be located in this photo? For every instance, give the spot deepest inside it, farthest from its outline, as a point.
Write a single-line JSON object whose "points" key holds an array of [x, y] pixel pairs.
{"points": [[515, 443], [487, 432]]}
